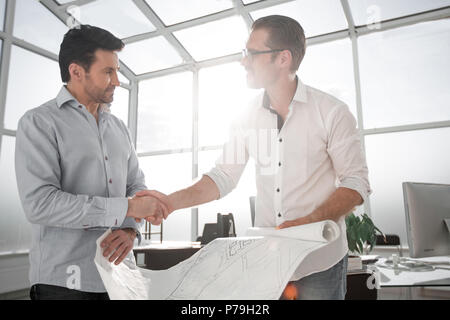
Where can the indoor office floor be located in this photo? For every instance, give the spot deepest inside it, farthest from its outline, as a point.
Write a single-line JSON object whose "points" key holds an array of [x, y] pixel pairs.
{"points": [[16, 295]]}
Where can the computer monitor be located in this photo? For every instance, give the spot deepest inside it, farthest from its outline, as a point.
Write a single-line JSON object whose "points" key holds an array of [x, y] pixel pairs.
{"points": [[427, 209]]}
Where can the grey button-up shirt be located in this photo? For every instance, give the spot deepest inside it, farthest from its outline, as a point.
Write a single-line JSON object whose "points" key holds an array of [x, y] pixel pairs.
{"points": [[74, 177]]}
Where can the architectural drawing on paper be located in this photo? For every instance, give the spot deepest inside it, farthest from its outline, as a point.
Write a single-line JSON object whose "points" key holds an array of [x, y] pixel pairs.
{"points": [[256, 267]]}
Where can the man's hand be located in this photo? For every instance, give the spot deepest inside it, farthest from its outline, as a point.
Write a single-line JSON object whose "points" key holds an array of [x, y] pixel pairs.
{"points": [[118, 244], [339, 204], [149, 208], [161, 197], [293, 223]]}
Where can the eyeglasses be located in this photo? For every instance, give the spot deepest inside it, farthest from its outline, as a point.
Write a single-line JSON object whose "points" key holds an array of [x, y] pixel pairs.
{"points": [[246, 53]]}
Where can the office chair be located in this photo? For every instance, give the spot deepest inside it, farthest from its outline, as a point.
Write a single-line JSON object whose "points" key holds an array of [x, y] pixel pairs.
{"points": [[252, 209], [391, 240], [148, 231]]}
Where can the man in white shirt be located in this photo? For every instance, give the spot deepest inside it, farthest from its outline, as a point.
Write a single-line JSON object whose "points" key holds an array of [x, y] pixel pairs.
{"points": [[309, 162]]}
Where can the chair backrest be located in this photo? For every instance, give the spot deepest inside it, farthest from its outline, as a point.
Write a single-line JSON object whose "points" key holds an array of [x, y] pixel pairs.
{"points": [[252, 209], [148, 231], [391, 240]]}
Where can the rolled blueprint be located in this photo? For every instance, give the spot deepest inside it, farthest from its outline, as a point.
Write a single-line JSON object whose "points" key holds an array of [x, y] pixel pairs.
{"points": [[257, 266]]}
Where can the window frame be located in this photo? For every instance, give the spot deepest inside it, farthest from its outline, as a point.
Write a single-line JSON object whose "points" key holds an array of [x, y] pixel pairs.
{"points": [[241, 9]]}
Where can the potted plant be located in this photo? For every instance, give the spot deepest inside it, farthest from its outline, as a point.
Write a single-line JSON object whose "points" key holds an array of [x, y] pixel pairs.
{"points": [[361, 233], [361, 237]]}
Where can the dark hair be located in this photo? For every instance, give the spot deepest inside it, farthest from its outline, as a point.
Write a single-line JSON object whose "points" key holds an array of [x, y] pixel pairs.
{"points": [[284, 33], [79, 46]]}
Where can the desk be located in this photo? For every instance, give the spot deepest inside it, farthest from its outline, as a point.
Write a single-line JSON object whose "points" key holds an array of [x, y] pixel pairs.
{"points": [[424, 283], [357, 288], [160, 256], [403, 276], [433, 272]]}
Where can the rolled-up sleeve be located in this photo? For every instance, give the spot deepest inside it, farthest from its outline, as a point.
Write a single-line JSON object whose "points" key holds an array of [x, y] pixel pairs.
{"points": [[231, 163], [346, 153], [38, 176]]}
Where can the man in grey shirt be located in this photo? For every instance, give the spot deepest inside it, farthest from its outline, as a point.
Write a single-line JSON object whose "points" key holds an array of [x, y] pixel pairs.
{"points": [[76, 167]]}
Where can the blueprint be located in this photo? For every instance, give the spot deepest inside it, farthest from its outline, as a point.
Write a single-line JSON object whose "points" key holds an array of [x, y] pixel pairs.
{"points": [[257, 266]]}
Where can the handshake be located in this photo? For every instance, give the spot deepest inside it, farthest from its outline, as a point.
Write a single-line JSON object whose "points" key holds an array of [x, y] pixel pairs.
{"points": [[150, 205]]}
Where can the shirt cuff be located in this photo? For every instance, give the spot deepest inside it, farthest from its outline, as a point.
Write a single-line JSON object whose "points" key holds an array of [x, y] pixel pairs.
{"points": [[358, 185], [116, 209], [221, 180]]}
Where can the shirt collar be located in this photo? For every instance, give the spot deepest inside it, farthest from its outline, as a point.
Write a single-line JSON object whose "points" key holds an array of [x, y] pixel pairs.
{"points": [[300, 95], [64, 96]]}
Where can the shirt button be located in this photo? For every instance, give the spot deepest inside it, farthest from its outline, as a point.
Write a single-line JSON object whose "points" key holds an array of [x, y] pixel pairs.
{"points": [[279, 164], [278, 189], [279, 214], [110, 180], [281, 140], [106, 158]]}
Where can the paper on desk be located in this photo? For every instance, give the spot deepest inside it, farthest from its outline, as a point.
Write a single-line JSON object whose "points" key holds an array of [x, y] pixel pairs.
{"points": [[254, 267]]}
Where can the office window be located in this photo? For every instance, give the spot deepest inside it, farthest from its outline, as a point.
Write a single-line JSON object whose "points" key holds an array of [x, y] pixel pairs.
{"points": [[214, 39], [15, 230], [175, 11], [33, 80], [373, 11], [120, 105], [329, 67], [236, 202], [150, 55], [223, 96], [393, 158], [122, 78], [167, 174], [36, 24], [165, 113], [120, 17], [316, 17], [2, 14], [404, 75]]}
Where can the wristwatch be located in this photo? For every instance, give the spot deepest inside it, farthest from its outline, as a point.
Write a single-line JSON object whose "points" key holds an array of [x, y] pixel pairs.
{"points": [[136, 233]]}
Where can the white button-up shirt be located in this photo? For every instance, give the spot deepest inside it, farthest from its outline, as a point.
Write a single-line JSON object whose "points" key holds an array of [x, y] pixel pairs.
{"points": [[300, 163]]}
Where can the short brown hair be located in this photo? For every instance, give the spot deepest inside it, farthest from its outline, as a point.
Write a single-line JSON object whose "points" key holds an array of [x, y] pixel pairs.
{"points": [[80, 44], [284, 33]]}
